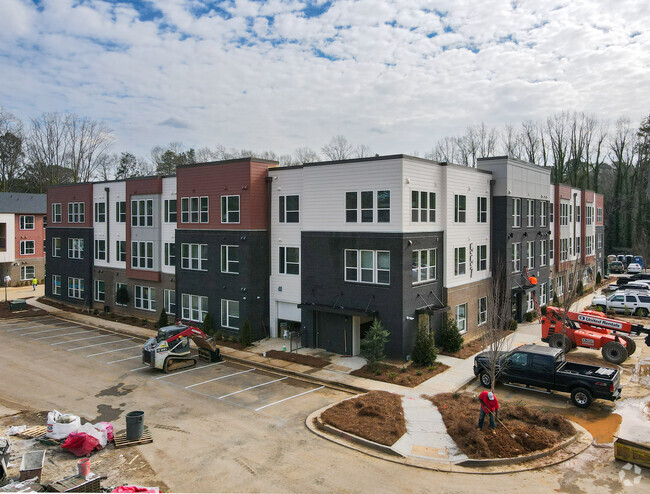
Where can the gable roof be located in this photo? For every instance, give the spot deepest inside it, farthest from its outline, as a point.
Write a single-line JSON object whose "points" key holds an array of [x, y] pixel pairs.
{"points": [[14, 202]]}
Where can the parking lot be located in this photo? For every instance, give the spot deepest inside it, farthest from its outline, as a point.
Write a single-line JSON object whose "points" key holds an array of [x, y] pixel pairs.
{"points": [[237, 384]]}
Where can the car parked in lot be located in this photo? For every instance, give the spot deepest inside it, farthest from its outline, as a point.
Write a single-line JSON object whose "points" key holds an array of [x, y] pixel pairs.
{"points": [[616, 267], [634, 267], [631, 302]]}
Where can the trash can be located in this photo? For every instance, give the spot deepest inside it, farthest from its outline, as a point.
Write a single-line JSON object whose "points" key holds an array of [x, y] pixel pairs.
{"points": [[134, 425]]}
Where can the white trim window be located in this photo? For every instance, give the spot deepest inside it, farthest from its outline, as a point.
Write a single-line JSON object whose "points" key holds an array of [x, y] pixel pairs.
{"points": [[57, 216], [551, 251], [530, 213], [543, 294], [461, 318], [550, 289], [351, 207], [460, 208], [589, 215], [120, 212], [481, 209], [144, 298], [425, 265], [194, 307], [56, 284], [516, 212], [578, 246], [289, 209], [230, 314], [367, 206], [559, 286], [289, 262], [194, 257], [516, 257], [27, 273], [170, 210], [142, 212], [99, 291], [551, 213], [599, 215], [56, 247], [530, 304], [543, 249], [600, 241], [578, 210], [460, 261], [423, 206], [27, 222], [100, 212], [170, 254], [142, 255], [120, 250], [76, 212], [564, 214], [482, 310], [230, 209], [543, 213], [367, 266], [481, 258], [230, 259], [383, 206], [530, 254], [100, 250], [589, 247], [196, 209], [75, 248], [170, 301], [75, 288], [27, 247], [117, 288]]}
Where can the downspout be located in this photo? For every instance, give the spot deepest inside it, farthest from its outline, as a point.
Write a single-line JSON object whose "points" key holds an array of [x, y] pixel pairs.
{"points": [[108, 226]]}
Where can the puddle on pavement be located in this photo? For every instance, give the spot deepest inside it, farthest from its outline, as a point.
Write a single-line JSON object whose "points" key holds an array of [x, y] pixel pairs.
{"points": [[601, 425], [636, 419], [119, 389], [106, 413]]}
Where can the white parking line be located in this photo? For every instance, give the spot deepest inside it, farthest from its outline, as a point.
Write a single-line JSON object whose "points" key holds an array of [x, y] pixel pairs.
{"points": [[32, 327], [252, 387], [123, 359], [82, 339], [139, 368], [49, 330], [290, 397], [58, 335], [111, 351], [99, 344], [217, 378], [190, 370]]}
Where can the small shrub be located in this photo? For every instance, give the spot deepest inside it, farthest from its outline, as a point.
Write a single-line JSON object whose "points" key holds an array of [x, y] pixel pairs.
{"points": [[627, 311], [393, 376], [424, 351], [599, 278], [95, 312], [246, 334], [530, 316], [162, 320], [207, 324], [378, 372], [450, 338], [543, 309], [408, 378], [372, 346], [218, 335], [431, 367], [402, 369], [512, 325], [418, 372]]}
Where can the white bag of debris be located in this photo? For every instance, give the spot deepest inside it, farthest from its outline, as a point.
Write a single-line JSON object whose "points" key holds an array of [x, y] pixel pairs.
{"points": [[60, 425], [91, 430]]}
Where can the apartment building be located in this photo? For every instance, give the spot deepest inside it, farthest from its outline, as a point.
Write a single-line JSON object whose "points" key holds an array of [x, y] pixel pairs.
{"points": [[22, 234]]}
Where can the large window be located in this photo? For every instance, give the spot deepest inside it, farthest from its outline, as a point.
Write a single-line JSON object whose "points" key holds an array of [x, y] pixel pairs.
{"points": [[56, 213], [460, 261], [230, 314], [194, 307], [481, 209], [27, 247], [142, 255], [461, 318], [170, 301], [27, 273], [368, 206], [543, 249], [230, 259], [482, 310], [516, 212], [27, 222], [383, 206], [481, 258], [100, 250], [56, 247], [578, 214], [289, 260], [530, 254], [144, 298], [516, 257], [196, 209], [423, 206], [170, 254], [142, 212], [120, 212], [599, 215], [100, 212], [100, 291], [589, 245], [120, 250], [460, 208], [229, 209], [543, 212], [564, 249], [289, 208], [589, 215], [351, 214], [170, 210], [564, 214], [194, 257], [367, 266], [56, 284], [424, 265], [600, 240], [76, 288], [76, 212], [75, 248], [530, 213]]}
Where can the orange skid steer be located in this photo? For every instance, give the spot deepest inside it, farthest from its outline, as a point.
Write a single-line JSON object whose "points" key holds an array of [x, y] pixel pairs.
{"points": [[591, 329]]}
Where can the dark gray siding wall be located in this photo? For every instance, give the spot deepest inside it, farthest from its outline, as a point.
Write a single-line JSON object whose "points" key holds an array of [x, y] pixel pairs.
{"points": [[76, 268], [250, 287]]}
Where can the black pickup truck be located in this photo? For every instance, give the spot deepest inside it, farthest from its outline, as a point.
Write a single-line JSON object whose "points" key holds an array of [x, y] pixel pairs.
{"points": [[542, 367]]}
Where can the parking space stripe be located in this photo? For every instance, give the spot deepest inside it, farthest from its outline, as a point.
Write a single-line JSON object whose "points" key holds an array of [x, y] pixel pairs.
{"points": [[58, 335], [217, 378], [48, 331], [82, 339], [32, 327], [139, 368], [123, 359], [99, 344], [289, 398], [189, 370], [253, 387], [111, 351]]}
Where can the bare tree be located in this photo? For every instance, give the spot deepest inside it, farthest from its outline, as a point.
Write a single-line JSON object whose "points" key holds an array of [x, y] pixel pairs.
{"points": [[11, 149], [88, 143], [511, 142], [338, 148], [362, 151], [530, 138], [557, 127], [47, 146], [305, 155]]}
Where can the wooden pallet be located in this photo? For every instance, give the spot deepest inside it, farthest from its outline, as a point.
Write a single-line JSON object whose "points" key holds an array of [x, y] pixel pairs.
{"points": [[122, 442], [35, 432]]}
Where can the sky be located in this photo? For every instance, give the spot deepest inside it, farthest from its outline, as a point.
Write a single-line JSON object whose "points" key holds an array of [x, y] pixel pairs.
{"points": [[394, 75]]}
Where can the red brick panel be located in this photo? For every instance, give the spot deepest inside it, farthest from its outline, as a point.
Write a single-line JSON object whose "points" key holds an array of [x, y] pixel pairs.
{"points": [[599, 204], [37, 235], [64, 194]]}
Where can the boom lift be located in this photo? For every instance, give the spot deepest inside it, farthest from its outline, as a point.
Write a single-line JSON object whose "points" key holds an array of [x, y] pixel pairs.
{"points": [[591, 329]]}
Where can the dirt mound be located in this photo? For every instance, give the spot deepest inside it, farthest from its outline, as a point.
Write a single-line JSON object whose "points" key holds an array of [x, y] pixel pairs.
{"points": [[377, 416], [533, 429], [309, 360]]}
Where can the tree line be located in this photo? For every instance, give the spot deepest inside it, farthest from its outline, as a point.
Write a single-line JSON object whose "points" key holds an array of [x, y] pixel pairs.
{"points": [[581, 150]]}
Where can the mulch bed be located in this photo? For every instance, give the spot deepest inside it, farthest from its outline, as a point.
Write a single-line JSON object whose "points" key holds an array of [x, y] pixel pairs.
{"points": [[5, 313], [407, 375], [377, 416], [471, 348], [298, 359], [534, 430]]}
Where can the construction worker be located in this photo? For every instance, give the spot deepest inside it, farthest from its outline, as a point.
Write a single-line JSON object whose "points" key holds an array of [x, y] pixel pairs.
{"points": [[34, 283], [489, 405]]}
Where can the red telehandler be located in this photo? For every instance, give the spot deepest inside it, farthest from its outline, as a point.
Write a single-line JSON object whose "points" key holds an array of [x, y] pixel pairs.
{"points": [[591, 329]]}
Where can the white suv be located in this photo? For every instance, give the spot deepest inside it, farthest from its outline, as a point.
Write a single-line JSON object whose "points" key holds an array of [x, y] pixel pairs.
{"points": [[637, 303]]}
